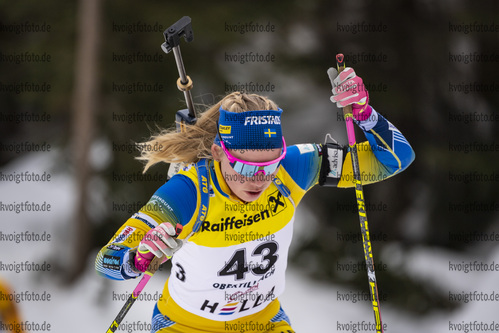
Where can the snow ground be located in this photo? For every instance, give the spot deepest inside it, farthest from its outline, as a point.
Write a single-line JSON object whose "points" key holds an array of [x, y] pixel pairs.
{"points": [[88, 306]]}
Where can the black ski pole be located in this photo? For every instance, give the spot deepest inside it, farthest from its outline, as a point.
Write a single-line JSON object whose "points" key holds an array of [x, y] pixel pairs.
{"points": [[153, 266], [373, 287]]}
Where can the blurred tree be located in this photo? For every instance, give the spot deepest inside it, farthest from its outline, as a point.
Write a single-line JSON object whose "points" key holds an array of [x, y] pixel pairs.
{"points": [[85, 102]]}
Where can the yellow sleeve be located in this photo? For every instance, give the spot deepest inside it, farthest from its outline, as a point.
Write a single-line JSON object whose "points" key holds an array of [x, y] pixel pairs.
{"points": [[371, 169]]}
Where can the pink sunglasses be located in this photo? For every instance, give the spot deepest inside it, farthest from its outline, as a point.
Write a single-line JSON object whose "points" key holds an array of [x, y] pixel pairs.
{"points": [[250, 169]]}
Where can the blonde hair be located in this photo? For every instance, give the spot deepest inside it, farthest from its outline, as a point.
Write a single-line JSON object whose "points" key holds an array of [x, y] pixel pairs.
{"points": [[195, 143]]}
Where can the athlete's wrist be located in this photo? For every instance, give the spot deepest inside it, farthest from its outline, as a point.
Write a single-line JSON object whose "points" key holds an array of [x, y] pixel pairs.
{"points": [[369, 122], [128, 269]]}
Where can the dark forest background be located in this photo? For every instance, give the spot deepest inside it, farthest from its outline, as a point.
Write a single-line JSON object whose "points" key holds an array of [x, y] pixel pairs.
{"points": [[431, 68]]}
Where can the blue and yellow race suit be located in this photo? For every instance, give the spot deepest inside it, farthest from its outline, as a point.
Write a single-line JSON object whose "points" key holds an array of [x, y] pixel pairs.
{"points": [[232, 270]]}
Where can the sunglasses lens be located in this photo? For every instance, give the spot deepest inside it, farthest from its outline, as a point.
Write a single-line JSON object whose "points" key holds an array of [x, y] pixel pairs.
{"points": [[270, 168], [252, 170], [243, 169]]}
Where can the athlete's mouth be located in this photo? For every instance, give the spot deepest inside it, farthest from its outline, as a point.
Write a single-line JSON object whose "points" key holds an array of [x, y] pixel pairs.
{"points": [[254, 192]]}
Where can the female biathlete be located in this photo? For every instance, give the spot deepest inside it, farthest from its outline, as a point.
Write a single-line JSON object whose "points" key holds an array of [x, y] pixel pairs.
{"points": [[236, 199]]}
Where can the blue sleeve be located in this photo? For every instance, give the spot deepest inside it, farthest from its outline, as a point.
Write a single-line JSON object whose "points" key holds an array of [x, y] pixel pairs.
{"points": [[175, 201], [302, 163], [389, 146], [385, 153]]}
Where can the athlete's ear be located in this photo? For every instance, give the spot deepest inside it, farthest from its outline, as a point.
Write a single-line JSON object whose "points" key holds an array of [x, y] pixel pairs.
{"points": [[216, 152]]}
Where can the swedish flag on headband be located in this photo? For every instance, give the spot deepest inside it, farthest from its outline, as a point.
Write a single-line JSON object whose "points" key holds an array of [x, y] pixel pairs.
{"points": [[270, 133]]}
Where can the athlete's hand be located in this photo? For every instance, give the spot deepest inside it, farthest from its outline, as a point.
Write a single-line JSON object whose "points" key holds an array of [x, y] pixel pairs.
{"points": [[349, 89], [158, 242]]}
